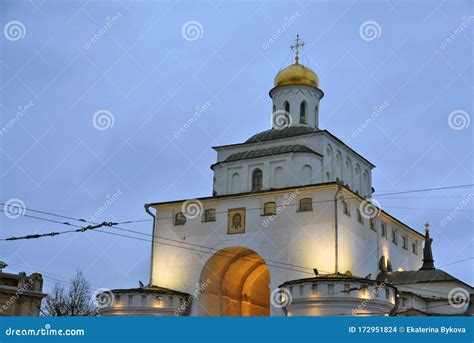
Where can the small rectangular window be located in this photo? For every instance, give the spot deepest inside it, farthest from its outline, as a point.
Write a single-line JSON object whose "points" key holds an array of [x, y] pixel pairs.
{"points": [[209, 215], [394, 237], [414, 247], [345, 208], [360, 219], [314, 287], [383, 230], [179, 218], [301, 289], [306, 204], [143, 299], [405, 242], [330, 289], [269, 209], [372, 224]]}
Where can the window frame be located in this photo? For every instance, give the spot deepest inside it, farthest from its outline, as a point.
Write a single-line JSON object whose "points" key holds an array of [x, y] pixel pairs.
{"points": [[373, 224], [360, 219], [259, 187], [383, 229], [394, 236], [181, 221], [303, 119], [345, 208], [205, 218], [300, 208], [269, 203]]}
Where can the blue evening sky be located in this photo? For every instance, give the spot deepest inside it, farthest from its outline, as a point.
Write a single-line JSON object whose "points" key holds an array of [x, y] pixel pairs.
{"points": [[151, 75]]}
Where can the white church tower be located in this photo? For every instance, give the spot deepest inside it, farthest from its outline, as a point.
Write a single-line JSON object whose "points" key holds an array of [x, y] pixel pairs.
{"points": [[295, 151], [289, 229]]}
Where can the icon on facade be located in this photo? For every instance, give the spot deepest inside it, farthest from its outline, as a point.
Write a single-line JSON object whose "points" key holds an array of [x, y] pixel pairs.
{"points": [[236, 220]]}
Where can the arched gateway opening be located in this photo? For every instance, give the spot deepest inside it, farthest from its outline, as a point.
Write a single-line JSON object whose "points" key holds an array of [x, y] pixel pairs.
{"points": [[238, 284]]}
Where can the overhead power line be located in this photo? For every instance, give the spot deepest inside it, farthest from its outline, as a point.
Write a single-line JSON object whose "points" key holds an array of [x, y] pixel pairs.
{"points": [[248, 209], [56, 233]]}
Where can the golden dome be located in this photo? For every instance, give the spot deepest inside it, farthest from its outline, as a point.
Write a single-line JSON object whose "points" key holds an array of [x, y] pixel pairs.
{"points": [[296, 74]]}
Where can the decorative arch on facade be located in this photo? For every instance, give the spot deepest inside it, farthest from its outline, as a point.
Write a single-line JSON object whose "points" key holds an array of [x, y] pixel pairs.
{"points": [[235, 183], [329, 163], [349, 178], [303, 116], [278, 179], [307, 175], [339, 166], [358, 179], [257, 180]]}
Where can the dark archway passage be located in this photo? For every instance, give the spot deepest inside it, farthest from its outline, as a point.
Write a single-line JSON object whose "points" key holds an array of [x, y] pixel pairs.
{"points": [[239, 284]]}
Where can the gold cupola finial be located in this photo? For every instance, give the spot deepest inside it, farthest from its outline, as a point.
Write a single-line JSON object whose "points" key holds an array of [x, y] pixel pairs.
{"points": [[297, 74], [298, 44]]}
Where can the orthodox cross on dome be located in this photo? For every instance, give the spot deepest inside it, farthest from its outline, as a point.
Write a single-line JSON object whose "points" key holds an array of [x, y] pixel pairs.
{"points": [[298, 44]]}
